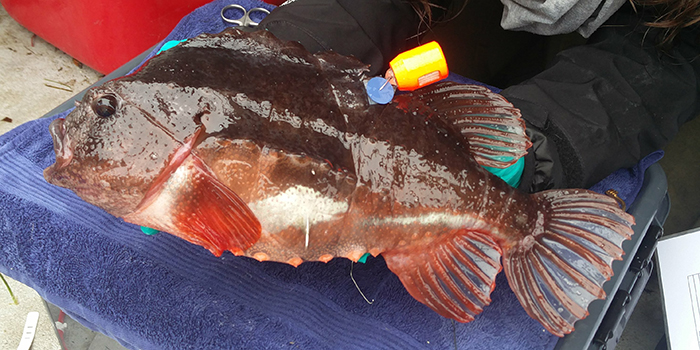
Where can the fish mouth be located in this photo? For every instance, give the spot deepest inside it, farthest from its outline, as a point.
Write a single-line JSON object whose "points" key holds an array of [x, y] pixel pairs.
{"points": [[60, 142]]}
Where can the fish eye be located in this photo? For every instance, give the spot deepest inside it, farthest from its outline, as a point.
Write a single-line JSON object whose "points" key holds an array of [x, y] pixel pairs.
{"points": [[105, 105]]}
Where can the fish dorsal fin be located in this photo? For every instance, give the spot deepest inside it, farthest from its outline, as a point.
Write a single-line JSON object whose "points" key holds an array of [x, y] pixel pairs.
{"points": [[454, 277], [191, 203], [491, 125], [560, 269]]}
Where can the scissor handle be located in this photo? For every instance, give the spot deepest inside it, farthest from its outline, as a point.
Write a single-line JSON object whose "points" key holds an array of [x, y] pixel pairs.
{"points": [[238, 21], [256, 9], [244, 20]]}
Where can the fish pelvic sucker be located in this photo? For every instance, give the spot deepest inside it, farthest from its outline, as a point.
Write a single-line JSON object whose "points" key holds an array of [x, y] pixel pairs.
{"points": [[556, 248]]}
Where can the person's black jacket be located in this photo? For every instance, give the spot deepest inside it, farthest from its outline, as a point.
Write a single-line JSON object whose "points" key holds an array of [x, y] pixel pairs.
{"points": [[598, 107], [607, 104]]}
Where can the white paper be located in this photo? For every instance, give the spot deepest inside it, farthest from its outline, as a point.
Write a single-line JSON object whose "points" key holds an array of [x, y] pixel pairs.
{"points": [[679, 272], [29, 330]]}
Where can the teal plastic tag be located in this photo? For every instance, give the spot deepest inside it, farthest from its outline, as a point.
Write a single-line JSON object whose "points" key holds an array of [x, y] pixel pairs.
{"points": [[149, 231], [363, 259], [511, 174], [170, 44]]}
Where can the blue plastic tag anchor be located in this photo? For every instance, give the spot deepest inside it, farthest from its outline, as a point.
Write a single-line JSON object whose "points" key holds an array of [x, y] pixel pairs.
{"points": [[379, 90]]}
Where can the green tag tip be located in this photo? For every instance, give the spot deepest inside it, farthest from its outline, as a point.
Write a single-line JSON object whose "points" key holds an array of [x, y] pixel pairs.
{"points": [[363, 259], [149, 231], [169, 44]]}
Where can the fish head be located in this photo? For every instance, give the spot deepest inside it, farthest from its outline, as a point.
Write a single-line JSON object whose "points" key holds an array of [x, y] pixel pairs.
{"points": [[109, 149]]}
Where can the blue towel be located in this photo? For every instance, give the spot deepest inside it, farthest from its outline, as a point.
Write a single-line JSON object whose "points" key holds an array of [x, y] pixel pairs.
{"points": [[160, 292]]}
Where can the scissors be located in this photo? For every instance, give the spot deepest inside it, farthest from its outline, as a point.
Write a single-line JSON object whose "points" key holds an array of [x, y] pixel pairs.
{"points": [[244, 20]]}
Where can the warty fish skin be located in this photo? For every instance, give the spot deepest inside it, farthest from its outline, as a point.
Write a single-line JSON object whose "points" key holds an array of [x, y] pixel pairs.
{"points": [[238, 141]]}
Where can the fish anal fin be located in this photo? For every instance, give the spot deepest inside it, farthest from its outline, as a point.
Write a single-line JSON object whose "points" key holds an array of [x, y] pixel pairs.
{"points": [[454, 276], [492, 126], [194, 205], [561, 268]]}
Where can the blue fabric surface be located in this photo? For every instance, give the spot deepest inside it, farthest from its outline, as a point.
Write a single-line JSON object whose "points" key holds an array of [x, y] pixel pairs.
{"points": [[160, 292]]}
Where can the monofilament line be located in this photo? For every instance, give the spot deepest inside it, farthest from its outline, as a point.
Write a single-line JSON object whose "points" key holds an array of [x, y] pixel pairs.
{"points": [[352, 265]]}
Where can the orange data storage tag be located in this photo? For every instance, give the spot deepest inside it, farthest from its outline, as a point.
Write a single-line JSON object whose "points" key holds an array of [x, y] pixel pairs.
{"points": [[419, 67]]}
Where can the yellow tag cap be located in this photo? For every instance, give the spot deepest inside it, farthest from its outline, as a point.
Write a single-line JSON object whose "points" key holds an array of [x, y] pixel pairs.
{"points": [[419, 67]]}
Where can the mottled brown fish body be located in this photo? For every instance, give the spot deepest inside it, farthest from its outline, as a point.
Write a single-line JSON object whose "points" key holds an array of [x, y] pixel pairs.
{"points": [[239, 141]]}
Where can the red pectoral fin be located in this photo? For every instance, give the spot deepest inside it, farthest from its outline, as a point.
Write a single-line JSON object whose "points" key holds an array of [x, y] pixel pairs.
{"points": [[193, 204]]}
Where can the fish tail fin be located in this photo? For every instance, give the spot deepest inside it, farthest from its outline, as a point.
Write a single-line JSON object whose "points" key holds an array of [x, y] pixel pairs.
{"points": [[559, 269], [454, 276]]}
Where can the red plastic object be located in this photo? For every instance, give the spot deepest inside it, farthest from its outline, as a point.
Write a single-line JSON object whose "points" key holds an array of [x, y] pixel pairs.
{"points": [[101, 34]]}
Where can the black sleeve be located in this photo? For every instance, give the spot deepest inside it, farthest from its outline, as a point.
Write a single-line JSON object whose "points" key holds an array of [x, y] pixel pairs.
{"points": [[607, 104], [598, 108], [374, 31]]}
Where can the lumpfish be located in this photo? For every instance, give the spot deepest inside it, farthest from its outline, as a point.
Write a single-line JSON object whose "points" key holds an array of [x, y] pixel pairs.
{"points": [[239, 141]]}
